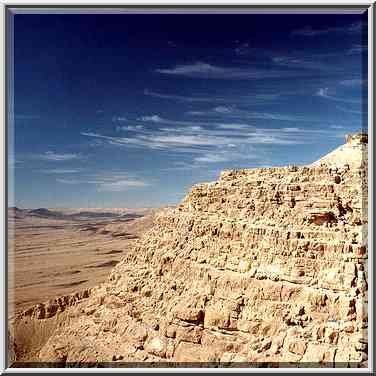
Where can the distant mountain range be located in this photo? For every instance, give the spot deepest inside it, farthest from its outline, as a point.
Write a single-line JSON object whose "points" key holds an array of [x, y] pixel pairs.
{"points": [[15, 212]]}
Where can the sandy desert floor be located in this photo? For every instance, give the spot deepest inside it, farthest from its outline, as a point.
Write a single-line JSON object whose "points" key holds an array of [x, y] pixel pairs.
{"points": [[50, 257]]}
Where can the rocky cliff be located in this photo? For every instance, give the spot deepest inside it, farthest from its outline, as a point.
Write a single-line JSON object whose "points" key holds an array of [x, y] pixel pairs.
{"points": [[265, 266]]}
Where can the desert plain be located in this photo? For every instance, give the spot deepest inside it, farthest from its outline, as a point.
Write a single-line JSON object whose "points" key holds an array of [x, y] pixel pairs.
{"points": [[55, 252]]}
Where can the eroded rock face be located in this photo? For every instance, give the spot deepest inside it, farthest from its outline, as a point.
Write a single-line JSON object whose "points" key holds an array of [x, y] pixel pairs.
{"points": [[264, 265]]}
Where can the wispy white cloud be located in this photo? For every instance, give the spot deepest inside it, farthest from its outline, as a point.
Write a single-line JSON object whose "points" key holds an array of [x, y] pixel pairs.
{"points": [[115, 181], [218, 145], [192, 69], [52, 156], [209, 71], [119, 140], [182, 139], [234, 112], [325, 93], [192, 126], [181, 166], [214, 163], [336, 127], [235, 126], [183, 98], [221, 156], [119, 119], [254, 99], [212, 158], [301, 63], [70, 181], [195, 113], [132, 128], [61, 171], [121, 185], [272, 116], [221, 142], [224, 109], [152, 118], [293, 129]]}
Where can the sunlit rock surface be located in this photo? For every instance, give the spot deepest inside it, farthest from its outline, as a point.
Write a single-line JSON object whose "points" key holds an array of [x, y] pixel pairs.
{"points": [[265, 265]]}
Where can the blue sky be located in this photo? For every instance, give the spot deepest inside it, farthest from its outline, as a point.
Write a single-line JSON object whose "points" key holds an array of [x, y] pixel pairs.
{"points": [[131, 110]]}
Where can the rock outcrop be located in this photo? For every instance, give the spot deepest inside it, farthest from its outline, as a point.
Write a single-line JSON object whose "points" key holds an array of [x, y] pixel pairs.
{"points": [[264, 267]]}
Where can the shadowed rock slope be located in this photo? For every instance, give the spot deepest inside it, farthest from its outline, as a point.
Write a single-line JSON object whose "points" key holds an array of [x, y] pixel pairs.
{"points": [[265, 265]]}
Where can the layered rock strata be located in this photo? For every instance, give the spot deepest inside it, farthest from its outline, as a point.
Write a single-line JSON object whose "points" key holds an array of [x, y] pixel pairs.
{"points": [[265, 266]]}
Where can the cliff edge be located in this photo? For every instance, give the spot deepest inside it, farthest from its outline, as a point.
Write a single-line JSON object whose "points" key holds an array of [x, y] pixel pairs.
{"points": [[266, 266]]}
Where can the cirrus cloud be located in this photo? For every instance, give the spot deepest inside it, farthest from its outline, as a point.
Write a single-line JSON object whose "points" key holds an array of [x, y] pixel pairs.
{"points": [[209, 71], [108, 181], [58, 157]]}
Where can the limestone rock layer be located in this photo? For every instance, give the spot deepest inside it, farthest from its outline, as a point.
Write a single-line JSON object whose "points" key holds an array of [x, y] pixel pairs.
{"points": [[263, 266]]}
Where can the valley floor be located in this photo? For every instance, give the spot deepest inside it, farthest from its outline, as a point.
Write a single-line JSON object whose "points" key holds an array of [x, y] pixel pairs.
{"points": [[54, 257]]}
